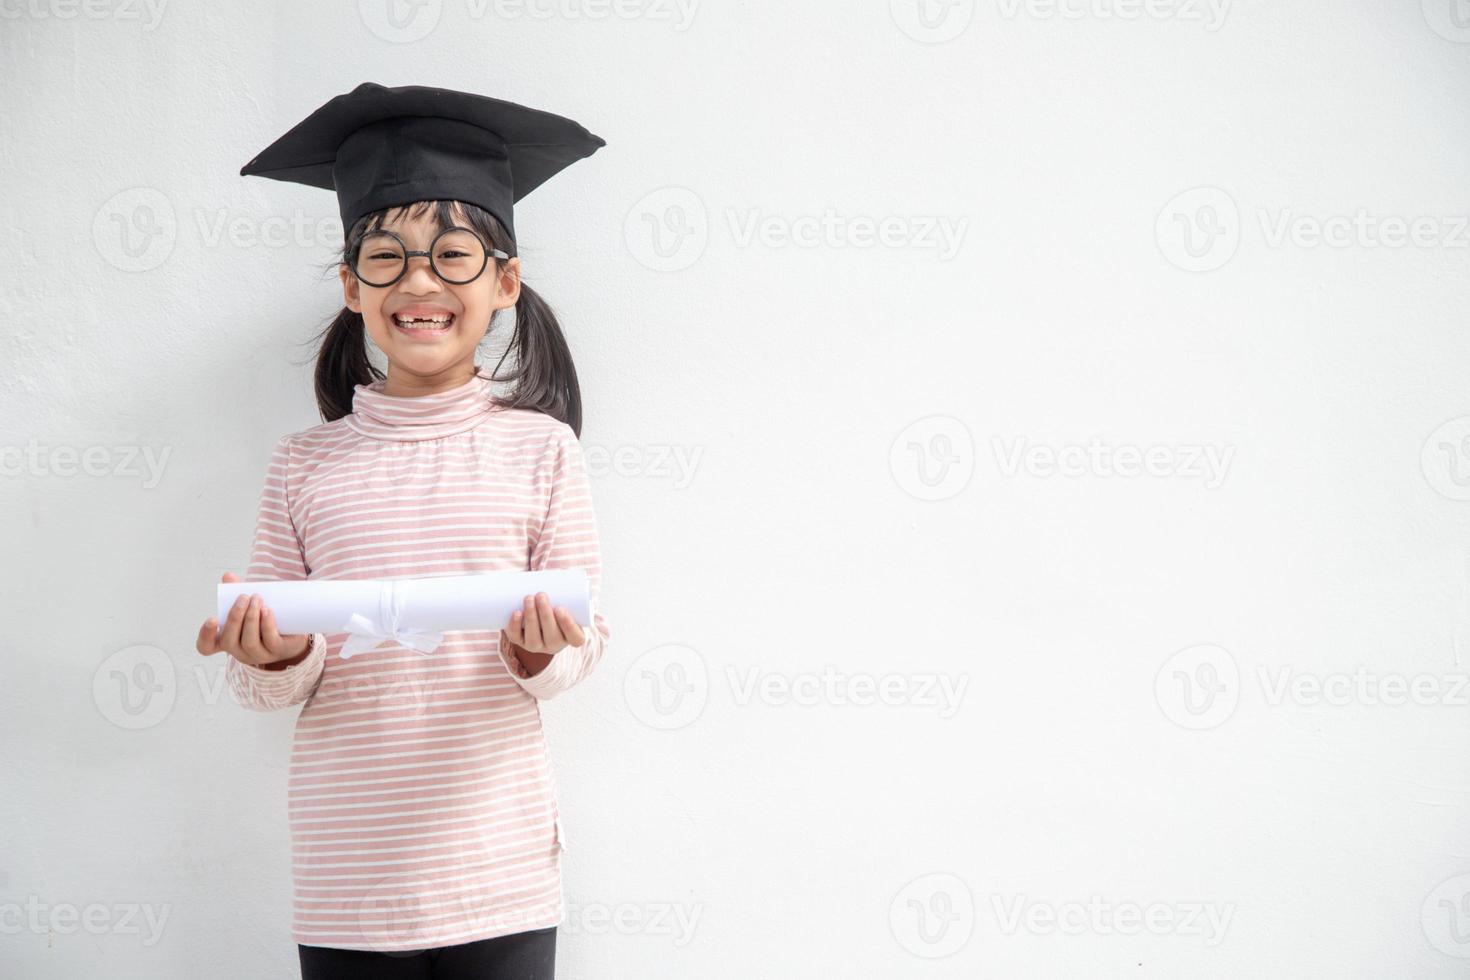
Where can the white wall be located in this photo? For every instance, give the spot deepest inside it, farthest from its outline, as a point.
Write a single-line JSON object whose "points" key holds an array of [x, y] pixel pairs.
{"points": [[1079, 769]]}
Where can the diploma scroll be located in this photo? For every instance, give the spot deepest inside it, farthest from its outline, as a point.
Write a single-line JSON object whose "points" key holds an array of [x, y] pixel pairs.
{"points": [[414, 612]]}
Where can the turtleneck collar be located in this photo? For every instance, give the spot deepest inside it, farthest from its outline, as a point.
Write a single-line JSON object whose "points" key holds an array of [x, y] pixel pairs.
{"points": [[412, 418]]}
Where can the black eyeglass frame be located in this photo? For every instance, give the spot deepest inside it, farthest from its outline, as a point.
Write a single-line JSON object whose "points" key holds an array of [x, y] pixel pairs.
{"points": [[409, 253]]}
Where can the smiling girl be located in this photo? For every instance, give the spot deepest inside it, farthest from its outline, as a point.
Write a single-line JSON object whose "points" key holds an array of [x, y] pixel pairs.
{"points": [[426, 834]]}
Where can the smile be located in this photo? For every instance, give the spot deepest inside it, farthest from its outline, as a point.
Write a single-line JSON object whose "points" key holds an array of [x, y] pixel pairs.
{"points": [[425, 326]]}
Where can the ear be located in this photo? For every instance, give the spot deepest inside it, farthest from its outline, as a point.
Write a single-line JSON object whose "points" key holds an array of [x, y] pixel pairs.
{"points": [[351, 288], [509, 283]]}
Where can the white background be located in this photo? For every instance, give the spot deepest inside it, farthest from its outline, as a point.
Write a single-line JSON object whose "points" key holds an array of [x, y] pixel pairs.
{"points": [[1137, 736]]}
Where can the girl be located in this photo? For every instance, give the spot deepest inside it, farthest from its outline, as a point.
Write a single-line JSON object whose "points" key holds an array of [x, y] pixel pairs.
{"points": [[426, 837]]}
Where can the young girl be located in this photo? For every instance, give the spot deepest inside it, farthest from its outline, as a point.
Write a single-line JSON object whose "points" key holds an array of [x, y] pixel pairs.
{"points": [[426, 836]]}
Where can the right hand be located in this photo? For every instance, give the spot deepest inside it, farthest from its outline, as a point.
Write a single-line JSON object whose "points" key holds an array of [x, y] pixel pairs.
{"points": [[249, 633]]}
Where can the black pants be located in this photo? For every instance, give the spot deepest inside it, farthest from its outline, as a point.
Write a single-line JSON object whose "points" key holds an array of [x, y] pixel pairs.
{"points": [[520, 956]]}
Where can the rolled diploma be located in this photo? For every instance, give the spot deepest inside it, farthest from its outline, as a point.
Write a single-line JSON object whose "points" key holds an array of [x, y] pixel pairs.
{"points": [[437, 604]]}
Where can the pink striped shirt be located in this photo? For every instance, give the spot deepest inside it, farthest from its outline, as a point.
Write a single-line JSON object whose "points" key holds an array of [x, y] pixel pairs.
{"points": [[422, 804]]}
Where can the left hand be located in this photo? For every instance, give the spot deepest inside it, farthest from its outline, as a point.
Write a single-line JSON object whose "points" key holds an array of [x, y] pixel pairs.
{"points": [[538, 628]]}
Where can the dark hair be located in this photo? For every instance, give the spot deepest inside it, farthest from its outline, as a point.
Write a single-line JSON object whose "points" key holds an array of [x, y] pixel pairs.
{"points": [[543, 377]]}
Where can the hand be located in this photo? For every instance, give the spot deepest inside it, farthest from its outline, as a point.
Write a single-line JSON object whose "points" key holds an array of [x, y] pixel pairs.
{"points": [[537, 628], [249, 633]]}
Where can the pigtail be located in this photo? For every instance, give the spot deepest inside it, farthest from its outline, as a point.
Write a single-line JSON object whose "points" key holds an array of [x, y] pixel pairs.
{"points": [[342, 364], [545, 379]]}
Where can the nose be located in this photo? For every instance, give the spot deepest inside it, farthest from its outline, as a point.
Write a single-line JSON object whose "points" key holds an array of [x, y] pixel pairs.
{"points": [[419, 278]]}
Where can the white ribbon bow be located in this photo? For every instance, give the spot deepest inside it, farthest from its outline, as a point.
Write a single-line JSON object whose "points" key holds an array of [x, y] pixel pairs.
{"points": [[369, 632]]}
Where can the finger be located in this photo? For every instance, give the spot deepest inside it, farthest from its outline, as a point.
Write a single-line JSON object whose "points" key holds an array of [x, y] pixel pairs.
{"points": [[531, 624], [250, 632], [550, 632], [208, 633], [569, 628], [229, 636], [513, 632], [229, 577], [270, 637]]}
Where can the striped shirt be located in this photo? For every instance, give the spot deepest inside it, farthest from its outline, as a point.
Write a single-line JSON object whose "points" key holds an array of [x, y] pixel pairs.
{"points": [[422, 805]]}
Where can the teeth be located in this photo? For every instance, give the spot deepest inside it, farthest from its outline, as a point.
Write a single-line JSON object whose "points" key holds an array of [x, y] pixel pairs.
{"points": [[439, 320]]}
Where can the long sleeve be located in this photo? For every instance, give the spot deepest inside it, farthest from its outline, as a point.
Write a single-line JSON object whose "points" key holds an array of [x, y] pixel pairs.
{"points": [[567, 539], [276, 554]]}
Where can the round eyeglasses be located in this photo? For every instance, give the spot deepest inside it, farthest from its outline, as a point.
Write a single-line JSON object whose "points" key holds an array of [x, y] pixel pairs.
{"points": [[457, 255]]}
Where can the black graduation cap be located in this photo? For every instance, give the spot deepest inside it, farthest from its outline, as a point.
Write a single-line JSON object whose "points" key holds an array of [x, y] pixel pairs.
{"points": [[380, 147]]}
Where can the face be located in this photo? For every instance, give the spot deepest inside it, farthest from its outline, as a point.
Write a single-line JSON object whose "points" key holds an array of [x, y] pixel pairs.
{"points": [[429, 329]]}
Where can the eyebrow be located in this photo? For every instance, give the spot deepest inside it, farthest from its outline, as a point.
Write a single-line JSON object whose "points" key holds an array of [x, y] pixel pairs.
{"points": [[409, 238]]}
